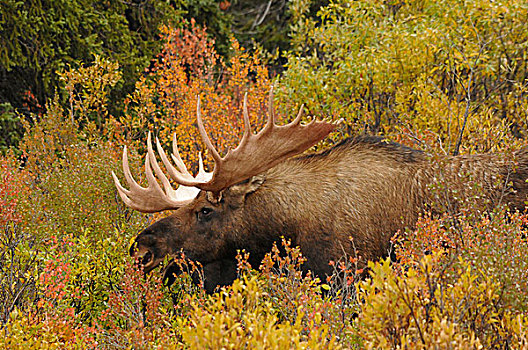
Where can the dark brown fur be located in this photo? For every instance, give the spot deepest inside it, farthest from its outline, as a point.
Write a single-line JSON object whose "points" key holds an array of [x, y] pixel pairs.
{"points": [[364, 188]]}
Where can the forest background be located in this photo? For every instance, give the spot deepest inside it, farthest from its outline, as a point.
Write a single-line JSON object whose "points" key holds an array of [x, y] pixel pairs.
{"points": [[80, 79]]}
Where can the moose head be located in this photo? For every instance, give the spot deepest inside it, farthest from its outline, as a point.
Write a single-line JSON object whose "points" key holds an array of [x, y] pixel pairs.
{"points": [[215, 213]]}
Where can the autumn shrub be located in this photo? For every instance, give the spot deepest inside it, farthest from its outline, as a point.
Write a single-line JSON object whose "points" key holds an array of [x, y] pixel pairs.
{"points": [[138, 314], [300, 298], [17, 258], [165, 101], [12, 187], [70, 163], [70, 160], [495, 245], [51, 320], [189, 279], [448, 73], [64, 254], [434, 305], [287, 284], [243, 317], [17, 270]]}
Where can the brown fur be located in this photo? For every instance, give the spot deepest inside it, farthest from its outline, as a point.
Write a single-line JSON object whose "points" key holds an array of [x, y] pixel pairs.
{"points": [[363, 188]]}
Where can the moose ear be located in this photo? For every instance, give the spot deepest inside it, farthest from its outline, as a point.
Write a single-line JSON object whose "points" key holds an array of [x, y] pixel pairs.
{"points": [[238, 192]]}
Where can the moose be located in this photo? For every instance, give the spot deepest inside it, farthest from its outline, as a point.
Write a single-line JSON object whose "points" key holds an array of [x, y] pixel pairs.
{"points": [[348, 199]]}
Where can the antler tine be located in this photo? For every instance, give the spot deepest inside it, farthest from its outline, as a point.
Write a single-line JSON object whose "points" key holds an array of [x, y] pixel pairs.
{"points": [[182, 169], [182, 178], [247, 124], [202, 174], [153, 198], [203, 133], [183, 192], [175, 154], [271, 110], [151, 180], [123, 192], [297, 119], [164, 181], [255, 154], [200, 163], [146, 199]]}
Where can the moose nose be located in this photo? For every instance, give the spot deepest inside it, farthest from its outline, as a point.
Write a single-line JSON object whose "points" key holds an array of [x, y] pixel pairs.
{"points": [[145, 258], [142, 255]]}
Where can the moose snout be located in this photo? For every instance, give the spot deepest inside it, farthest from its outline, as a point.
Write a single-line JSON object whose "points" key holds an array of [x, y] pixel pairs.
{"points": [[143, 256], [133, 248], [153, 244]]}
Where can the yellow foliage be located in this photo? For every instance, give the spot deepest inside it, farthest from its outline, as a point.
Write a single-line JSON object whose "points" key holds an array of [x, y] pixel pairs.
{"points": [[88, 88], [242, 317], [427, 309], [432, 72]]}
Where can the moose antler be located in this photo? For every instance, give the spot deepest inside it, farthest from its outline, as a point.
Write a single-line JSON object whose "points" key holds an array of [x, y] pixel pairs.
{"points": [[255, 153], [153, 198]]}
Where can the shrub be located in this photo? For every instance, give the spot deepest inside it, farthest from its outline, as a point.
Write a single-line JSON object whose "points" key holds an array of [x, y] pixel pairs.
{"points": [[17, 253], [189, 67], [427, 308], [138, 314], [449, 73], [243, 317], [494, 245], [299, 298]]}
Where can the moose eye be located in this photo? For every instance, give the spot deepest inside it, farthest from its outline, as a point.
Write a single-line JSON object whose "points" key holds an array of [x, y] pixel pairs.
{"points": [[206, 211], [204, 214]]}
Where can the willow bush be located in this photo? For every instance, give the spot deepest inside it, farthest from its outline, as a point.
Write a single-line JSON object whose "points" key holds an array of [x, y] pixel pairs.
{"points": [[450, 74]]}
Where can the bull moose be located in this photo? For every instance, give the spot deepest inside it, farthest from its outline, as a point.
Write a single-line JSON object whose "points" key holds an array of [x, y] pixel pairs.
{"points": [[349, 199]]}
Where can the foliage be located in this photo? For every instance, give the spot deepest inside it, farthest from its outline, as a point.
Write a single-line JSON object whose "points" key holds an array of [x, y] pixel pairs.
{"points": [[460, 280], [63, 255], [190, 67], [42, 37], [17, 282], [96, 81], [494, 245], [242, 317], [138, 314], [455, 71], [428, 308], [299, 298], [10, 128]]}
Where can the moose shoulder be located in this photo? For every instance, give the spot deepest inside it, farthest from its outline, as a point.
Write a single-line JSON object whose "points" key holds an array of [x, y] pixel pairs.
{"points": [[349, 199]]}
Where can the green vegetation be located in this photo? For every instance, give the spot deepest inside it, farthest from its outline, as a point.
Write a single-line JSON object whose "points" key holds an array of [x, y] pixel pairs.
{"points": [[446, 77], [455, 70], [40, 38]]}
